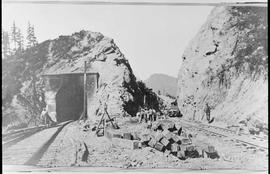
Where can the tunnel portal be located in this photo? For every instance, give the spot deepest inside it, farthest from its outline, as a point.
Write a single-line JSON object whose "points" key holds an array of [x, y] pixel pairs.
{"points": [[69, 99], [64, 95]]}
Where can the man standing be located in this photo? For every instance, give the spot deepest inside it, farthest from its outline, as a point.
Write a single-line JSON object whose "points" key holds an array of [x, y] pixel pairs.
{"points": [[142, 115], [207, 111], [43, 116], [46, 118], [154, 115]]}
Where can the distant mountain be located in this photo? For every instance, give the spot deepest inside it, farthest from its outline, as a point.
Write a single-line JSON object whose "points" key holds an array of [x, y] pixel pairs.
{"points": [[164, 83]]}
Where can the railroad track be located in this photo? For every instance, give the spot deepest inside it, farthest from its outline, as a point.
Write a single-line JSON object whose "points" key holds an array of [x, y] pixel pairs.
{"points": [[28, 147], [13, 138], [205, 128], [229, 131], [38, 154]]}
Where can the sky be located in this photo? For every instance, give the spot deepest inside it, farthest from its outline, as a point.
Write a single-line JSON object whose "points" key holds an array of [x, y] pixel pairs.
{"points": [[152, 38]]}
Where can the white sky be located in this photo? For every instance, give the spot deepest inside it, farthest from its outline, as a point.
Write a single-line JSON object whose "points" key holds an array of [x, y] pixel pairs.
{"points": [[151, 38]]}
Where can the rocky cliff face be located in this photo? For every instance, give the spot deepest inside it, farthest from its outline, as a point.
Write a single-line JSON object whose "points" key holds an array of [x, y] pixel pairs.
{"points": [[23, 85], [226, 65]]}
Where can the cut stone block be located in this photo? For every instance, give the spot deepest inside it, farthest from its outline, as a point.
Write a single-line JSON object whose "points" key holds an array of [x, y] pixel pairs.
{"points": [[164, 141], [169, 135], [176, 139], [145, 138], [185, 141], [158, 136], [175, 147], [127, 136], [117, 136], [127, 144], [135, 136], [159, 146], [165, 132], [137, 145], [152, 142]]}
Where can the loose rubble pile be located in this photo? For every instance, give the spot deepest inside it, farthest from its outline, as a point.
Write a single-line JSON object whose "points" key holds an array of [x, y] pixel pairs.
{"points": [[165, 137]]}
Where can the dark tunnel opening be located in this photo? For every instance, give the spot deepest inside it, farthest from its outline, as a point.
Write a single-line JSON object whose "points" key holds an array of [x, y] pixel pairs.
{"points": [[69, 99]]}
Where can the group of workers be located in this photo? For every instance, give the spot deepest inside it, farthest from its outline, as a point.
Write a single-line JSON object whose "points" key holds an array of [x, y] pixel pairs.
{"points": [[150, 115], [147, 115]]}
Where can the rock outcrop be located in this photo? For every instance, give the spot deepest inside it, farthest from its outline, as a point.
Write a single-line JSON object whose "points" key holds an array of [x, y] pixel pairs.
{"points": [[23, 85], [226, 66]]}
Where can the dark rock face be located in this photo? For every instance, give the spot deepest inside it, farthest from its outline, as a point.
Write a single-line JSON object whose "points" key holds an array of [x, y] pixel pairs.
{"points": [[226, 66], [23, 85]]}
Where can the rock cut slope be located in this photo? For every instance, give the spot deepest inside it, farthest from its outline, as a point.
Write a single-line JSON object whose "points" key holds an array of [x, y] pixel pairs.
{"points": [[23, 86], [226, 65]]}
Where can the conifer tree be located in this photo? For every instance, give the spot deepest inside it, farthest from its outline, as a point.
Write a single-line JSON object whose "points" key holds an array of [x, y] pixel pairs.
{"points": [[34, 38], [19, 40], [31, 38], [14, 36], [5, 44]]}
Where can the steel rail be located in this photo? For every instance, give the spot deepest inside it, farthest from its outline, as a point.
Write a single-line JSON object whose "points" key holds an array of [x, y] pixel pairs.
{"points": [[235, 139], [41, 151], [224, 129]]}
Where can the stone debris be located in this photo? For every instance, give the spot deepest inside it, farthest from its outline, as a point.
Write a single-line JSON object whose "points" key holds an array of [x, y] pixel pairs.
{"points": [[211, 152], [163, 137]]}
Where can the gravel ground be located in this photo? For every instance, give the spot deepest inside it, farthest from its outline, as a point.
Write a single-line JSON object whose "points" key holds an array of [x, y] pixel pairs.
{"points": [[101, 151]]}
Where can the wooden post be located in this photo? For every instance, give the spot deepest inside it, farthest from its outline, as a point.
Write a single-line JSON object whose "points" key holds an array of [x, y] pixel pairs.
{"points": [[97, 79], [85, 93], [144, 100]]}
